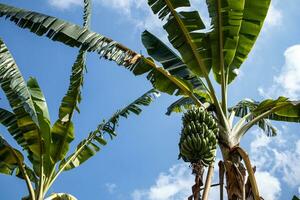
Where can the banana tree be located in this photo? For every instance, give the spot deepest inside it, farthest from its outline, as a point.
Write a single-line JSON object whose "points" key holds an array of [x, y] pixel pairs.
{"points": [[46, 145], [219, 49], [29, 124]]}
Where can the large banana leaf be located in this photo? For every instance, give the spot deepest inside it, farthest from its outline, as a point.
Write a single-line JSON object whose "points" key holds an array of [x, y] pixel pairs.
{"points": [[21, 103], [235, 27], [87, 13], [253, 18], [161, 79], [63, 130], [169, 60], [226, 18], [246, 107], [184, 34], [68, 33], [9, 120], [284, 109], [10, 158], [44, 135], [76, 36], [10, 161], [91, 145]]}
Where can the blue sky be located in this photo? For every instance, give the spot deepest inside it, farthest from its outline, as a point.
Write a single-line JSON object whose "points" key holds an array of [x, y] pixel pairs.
{"points": [[141, 163]]}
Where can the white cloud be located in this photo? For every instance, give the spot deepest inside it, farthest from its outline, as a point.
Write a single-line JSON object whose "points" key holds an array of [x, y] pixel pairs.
{"points": [[65, 4], [123, 6], [269, 185], [111, 187], [277, 156], [175, 184], [274, 17], [285, 163], [287, 82]]}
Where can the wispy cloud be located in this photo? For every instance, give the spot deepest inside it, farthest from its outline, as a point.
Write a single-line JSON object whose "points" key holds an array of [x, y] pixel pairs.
{"points": [[111, 187], [65, 4], [277, 155], [269, 186], [274, 17], [175, 184], [287, 82]]}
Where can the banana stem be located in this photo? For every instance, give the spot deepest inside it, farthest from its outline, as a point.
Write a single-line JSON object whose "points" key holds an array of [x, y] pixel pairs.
{"points": [[252, 179], [208, 180], [221, 177], [27, 180]]}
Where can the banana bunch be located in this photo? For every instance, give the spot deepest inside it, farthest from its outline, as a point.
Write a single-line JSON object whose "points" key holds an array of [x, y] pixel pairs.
{"points": [[198, 141]]}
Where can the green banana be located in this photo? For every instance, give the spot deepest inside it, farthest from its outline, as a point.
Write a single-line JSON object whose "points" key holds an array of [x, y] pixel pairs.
{"points": [[198, 141]]}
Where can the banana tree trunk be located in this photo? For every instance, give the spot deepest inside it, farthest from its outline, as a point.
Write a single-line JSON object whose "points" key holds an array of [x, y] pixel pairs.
{"points": [[237, 186]]}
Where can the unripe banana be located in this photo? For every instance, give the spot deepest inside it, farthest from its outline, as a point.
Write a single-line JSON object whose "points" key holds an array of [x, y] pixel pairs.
{"points": [[198, 136]]}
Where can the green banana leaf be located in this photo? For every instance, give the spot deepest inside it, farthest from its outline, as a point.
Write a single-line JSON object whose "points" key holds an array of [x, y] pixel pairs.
{"points": [[91, 145], [226, 19], [287, 110], [68, 33], [284, 110], [21, 102], [295, 198], [10, 158], [169, 60], [87, 13], [254, 15], [161, 79], [75, 36], [247, 106], [9, 120], [235, 27], [184, 33], [44, 135], [63, 130]]}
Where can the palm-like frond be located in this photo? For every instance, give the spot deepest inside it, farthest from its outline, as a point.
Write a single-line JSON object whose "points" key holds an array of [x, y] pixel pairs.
{"points": [[9, 120], [247, 106], [235, 27], [76, 36], [68, 33], [184, 33], [22, 104], [285, 109], [44, 132], [91, 145], [63, 131], [169, 60], [226, 18], [10, 158], [253, 18], [87, 13], [287, 114]]}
